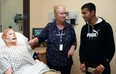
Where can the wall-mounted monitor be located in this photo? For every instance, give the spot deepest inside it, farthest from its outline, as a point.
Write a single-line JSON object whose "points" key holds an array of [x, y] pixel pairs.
{"points": [[36, 31]]}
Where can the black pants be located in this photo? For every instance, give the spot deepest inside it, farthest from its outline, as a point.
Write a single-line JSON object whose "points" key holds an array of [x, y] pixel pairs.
{"points": [[62, 69], [104, 72]]}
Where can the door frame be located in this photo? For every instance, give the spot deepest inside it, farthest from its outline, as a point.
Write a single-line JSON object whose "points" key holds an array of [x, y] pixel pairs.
{"points": [[26, 20]]}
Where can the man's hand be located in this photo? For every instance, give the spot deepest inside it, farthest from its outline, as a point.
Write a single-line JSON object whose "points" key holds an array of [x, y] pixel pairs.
{"points": [[99, 69]]}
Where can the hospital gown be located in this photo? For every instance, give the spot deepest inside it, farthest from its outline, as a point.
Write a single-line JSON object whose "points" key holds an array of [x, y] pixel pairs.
{"points": [[19, 58]]}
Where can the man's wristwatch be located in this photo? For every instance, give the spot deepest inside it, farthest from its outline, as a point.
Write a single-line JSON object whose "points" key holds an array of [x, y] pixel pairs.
{"points": [[102, 66]]}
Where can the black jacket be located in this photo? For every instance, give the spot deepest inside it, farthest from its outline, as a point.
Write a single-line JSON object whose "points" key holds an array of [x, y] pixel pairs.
{"points": [[97, 43]]}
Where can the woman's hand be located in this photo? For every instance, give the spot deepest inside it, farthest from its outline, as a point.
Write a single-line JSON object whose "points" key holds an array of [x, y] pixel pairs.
{"points": [[82, 67], [33, 41], [71, 51]]}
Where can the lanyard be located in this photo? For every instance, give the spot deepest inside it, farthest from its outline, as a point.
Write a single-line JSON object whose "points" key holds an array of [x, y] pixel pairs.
{"points": [[60, 34]]}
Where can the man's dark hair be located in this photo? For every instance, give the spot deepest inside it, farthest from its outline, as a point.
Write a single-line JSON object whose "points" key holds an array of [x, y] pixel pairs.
{"points": [[89, 6]]}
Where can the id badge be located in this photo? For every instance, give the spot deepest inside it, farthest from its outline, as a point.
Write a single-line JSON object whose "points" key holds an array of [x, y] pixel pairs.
{"points": [[61, 47]]}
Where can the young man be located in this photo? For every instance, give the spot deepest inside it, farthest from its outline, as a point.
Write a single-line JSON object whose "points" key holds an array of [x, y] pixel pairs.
{"points": [[97, 42]]}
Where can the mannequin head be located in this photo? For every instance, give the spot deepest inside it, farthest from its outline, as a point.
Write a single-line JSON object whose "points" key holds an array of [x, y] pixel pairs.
{"points": [[9, 37]]}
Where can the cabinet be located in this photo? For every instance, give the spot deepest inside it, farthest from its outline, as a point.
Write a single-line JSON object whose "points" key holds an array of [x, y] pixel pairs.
{"points": [[41, 51]]}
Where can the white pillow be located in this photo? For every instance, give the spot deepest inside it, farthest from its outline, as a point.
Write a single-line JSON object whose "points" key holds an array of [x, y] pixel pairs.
{"points": [[21, 40], [2, 43]]}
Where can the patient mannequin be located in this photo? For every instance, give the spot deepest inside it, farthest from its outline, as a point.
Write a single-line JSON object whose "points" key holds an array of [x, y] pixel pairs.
{"points": [[16, 59]]}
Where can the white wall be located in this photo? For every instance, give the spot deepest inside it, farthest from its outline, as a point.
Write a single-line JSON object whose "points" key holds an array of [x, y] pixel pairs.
{"points": [[9, 8], [105, 8]]}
